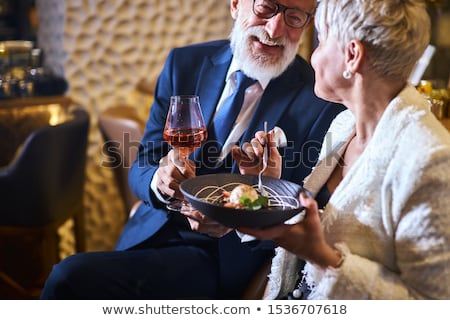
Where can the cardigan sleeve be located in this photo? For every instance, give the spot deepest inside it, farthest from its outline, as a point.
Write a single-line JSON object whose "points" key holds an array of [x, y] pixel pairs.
{"points": [[421, 238]]}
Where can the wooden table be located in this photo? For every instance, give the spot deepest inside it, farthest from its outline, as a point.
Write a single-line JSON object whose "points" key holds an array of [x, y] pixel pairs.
{"points": [[20, 117], [35, 101]]}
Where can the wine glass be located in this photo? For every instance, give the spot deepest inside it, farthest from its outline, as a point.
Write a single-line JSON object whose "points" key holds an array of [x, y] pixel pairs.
{"points": [[185, 131]]}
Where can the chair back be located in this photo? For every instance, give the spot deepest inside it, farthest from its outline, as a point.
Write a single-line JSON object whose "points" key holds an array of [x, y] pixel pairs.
{"points": [[122, 129], [47, 177], [41, 189]]}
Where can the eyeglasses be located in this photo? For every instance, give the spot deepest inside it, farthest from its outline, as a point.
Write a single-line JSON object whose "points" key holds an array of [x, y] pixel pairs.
{"points": [[293, 17]]}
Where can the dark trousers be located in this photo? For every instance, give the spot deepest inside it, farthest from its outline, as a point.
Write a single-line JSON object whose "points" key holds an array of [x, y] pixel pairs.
{"points": [[173, 264]]}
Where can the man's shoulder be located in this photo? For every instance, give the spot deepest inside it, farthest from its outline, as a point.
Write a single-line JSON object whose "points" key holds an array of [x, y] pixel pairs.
{"points": [[302, 68], [217, 51], [204, 47]]}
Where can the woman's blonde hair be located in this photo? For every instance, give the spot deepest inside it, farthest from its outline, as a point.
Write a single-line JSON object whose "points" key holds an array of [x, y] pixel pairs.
{"points": [[395, 33]]}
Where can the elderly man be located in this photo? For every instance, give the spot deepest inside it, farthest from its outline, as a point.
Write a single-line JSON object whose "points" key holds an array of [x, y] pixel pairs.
{"points": [[168, 255]]}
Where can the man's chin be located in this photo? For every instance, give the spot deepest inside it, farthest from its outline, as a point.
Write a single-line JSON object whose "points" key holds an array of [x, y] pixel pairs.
{"points": [[259, 69], [271, 53], [261, 61]]}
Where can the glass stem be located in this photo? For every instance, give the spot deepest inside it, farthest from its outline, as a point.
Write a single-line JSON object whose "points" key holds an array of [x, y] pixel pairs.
{"points": [[182, 154]]}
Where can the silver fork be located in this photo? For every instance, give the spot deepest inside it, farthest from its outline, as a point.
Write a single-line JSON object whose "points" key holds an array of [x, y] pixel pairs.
{"points": [[264, 162]]}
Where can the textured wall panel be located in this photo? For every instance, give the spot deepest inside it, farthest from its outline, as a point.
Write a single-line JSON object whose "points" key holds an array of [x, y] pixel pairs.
{"points": [[104, 48]]}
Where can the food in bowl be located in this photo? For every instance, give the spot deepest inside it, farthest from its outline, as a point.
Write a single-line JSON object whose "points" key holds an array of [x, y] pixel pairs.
{"points": [[244, 196]]}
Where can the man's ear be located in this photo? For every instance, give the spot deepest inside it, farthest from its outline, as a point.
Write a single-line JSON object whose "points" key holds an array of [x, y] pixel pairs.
{"points": [[234, 8]]}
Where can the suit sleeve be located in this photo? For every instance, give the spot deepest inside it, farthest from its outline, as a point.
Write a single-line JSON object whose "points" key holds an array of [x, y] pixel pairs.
{"points": [[152, 147]]}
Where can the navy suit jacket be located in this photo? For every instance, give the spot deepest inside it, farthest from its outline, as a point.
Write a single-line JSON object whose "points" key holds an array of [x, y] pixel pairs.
{"points": [[288, 102]]}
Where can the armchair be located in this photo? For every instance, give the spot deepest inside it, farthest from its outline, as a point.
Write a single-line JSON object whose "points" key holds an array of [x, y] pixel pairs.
{"points": [[40, 190], [122, 130]]}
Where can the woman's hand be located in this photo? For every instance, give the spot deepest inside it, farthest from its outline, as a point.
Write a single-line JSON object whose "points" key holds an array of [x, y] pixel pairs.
{"points": [[249, 157], [304, 239], [203, 224], [171, 173]]}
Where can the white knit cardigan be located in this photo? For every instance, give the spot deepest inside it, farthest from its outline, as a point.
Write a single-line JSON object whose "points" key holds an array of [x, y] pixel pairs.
{"points": [[389, 216]]}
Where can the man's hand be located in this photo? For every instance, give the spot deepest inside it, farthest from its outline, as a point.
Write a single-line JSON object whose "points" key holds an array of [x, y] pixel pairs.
{"points": [[249, 157], [203, 224], [171, 173]]}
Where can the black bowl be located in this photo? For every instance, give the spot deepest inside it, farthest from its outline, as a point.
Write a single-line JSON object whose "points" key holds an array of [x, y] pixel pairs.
{"points": [[197, 189]]}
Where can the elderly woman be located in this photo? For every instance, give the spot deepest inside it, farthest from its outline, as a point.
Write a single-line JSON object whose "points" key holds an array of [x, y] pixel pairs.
{"points": [[384, 167]]}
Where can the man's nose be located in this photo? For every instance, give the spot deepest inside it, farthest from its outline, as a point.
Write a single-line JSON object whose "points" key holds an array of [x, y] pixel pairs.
{"points": [[275, 26]]}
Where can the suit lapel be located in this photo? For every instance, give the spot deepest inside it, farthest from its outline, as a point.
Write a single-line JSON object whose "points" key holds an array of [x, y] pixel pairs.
{"points": [[212, 81], [277, 97], [210, 86]]}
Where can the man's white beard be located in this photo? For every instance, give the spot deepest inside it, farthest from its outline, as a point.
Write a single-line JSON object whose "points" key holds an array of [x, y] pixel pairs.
{"points": [[259, 67]]}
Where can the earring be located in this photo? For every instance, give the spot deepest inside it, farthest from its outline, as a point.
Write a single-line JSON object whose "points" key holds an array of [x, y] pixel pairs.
{"points": [[346, 74]]}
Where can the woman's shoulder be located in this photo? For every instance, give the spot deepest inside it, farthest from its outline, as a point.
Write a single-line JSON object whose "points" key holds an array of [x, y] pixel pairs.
{"points": [[412, 120]]}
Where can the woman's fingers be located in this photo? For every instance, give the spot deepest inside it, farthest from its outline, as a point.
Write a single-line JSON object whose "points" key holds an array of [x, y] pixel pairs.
{"points": [[308, 202], [269, 233]]}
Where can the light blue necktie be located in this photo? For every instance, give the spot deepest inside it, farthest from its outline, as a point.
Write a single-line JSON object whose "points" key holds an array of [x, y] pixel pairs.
{"points": [[227, 114], [223, 123]]}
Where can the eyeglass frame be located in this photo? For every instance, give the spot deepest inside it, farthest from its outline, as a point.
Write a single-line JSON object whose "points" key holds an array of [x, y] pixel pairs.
{"points": [[281, 8]]}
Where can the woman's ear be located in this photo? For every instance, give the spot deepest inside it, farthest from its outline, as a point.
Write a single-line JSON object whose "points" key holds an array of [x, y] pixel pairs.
{"points": [[234, 8], [354, 53]]}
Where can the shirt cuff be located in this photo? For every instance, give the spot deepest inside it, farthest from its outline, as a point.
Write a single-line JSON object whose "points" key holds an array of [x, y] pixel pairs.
{"points": [[154, 189], [245, 237]]}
